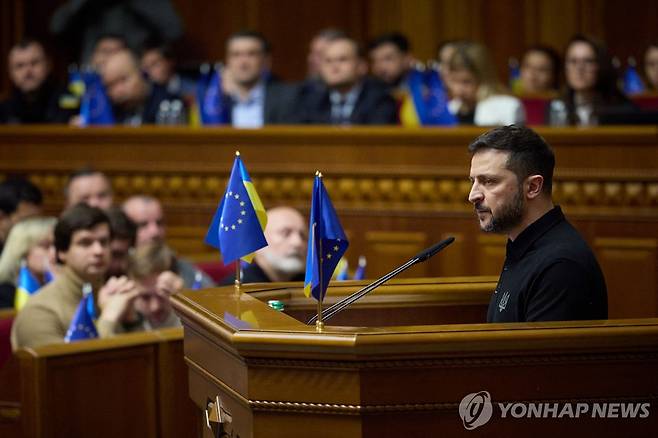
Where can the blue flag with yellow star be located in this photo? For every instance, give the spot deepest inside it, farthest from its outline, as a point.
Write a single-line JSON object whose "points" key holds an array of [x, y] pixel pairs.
{"points": [[237, 227], [326, 244], [82, 325]]}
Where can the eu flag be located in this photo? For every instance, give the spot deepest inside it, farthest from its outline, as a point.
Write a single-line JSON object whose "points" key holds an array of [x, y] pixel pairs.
{"points": [[213, 107], [27, 285], [237, 227], [632, 81], [95, 107], [437, 100], [326, 245], [360, 272], [82, 325]]}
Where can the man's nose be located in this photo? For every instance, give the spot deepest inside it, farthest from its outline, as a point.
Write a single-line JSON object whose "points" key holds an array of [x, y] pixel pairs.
{"points": [[475, 194]]}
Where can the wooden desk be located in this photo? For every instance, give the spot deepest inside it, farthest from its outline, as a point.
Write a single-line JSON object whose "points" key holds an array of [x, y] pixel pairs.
{"points": [[129, 386], [278, 377], [396, 190]]}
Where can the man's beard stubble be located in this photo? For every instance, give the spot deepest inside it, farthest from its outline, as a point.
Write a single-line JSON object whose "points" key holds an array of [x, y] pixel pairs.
{"points": [[510, 215]]}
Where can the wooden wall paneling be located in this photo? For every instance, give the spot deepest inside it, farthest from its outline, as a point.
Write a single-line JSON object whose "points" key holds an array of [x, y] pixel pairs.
{"points": [[630, 27], [630, 265], [557, 20], [386, 250]]}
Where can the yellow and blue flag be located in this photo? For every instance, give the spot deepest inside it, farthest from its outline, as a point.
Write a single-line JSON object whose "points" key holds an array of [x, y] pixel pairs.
{"points": [[82, 325], [237, 227], [95, 106], [26, 285], [326, 245]]}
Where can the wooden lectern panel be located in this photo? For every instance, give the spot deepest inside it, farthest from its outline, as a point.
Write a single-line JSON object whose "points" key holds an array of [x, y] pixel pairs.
{"points": [[279, 377]]}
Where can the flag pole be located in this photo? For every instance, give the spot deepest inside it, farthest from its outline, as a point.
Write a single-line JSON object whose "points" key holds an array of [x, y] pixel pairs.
{"points": [[319, 324], [238, 276]]}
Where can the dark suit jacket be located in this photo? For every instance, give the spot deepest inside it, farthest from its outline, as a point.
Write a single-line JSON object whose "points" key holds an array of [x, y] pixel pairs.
{"points": [[151, 106], [280, 102], [374, 106], [43, 107]]}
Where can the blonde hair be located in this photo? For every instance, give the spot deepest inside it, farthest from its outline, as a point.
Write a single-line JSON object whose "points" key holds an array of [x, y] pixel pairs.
{"points": [[151, 258], [22, 237], [475, 58]]}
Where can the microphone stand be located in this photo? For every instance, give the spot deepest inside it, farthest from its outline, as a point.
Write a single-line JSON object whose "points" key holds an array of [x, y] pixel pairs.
{"points": [[345, 302]]}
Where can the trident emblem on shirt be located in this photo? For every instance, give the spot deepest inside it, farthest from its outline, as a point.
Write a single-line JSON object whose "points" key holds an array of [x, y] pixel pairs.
{"points": [[503, 301]]}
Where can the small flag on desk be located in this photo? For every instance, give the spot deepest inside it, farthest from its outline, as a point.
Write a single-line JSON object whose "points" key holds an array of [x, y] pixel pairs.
{"points": [[95, 106], [82, 325], [327, 242], [27, 285], [437, 100], [237, 227], [515, 76], [632, 82], [213, 107], [360, 272]]}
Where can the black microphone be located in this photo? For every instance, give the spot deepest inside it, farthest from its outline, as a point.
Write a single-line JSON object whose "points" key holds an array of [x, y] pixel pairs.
{"points": [[345, 302]]}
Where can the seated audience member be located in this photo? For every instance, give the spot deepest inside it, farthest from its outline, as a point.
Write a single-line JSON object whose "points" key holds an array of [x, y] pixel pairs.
{"points": [[540, 71], [82, 244], [316, 51], [35, 98], [284, 257], [651, 67], [591, 83], [254, 96], [19, 199], [29, 242], [444, 53], [390, 59], [135, 101], [124, 235], [349, 97], [477, 95], [146, 212], [90, 186], [152, 268], [104, 47], [159, 64]]}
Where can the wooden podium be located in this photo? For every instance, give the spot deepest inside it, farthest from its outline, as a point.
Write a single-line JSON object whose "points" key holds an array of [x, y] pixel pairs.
{"points": [[397, 364]]}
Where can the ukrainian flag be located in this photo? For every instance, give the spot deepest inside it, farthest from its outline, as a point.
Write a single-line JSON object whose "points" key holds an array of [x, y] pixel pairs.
{"points": [[237, 227], [26, 286], [326, 245]]}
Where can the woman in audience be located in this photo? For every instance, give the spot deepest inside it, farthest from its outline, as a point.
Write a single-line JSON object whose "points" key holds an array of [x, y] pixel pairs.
{"points": [[591, 83], [31, 242], [651, 66], [540, 71], [478, 97]]}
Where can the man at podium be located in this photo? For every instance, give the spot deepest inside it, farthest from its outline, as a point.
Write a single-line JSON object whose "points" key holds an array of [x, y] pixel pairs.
{"points": [[549, 273]]}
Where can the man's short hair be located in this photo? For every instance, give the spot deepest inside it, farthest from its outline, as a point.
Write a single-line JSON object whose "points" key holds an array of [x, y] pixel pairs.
{"points": [[26, 42], [15, 190], [265, 45], [397, 39], [111, 36], [79, 217], [150, 259], [83, 171], [358, 47], [529, 152], [122, 227]]}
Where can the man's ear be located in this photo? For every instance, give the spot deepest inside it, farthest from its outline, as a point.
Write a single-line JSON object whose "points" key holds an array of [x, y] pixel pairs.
{"points": [[533, 186]]}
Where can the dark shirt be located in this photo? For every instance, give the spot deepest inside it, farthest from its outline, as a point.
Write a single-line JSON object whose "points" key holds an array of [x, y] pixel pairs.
{"points": [[147, 113], [550, 274], [42, 106], [7, 294], [374, 105], [254, 274]]}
